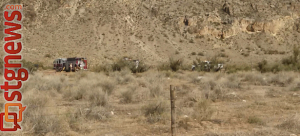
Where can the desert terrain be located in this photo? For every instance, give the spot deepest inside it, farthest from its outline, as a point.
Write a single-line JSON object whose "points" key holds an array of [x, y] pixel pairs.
{"points": [[257, 93]]}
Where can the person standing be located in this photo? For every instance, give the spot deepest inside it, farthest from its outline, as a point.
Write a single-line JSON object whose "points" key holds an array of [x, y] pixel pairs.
{"points": [[71, 67]]}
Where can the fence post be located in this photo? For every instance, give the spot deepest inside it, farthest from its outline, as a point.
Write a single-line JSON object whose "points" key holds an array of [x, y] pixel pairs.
{"points": [[173, 114]]}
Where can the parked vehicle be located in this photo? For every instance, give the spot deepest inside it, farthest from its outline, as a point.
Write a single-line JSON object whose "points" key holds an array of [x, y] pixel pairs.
{"points": [[59, 64], [70, 64]]}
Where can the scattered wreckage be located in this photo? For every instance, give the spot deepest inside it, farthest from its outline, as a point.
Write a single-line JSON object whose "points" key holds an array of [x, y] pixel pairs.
{"points": [[207, 66]]}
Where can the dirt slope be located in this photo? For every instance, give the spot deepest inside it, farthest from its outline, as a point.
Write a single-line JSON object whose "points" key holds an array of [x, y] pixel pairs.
{"points": [[238, 31]]}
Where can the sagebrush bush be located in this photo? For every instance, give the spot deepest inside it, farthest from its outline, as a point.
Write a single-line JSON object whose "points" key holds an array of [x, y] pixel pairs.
{"points": [[156, 90], [203, 111], [256, 120], [98, 98], [127, 96], [101, 68], [154, 111], [32, 67], [122, 64], [291, 124], [108, 86], [175, 64]]}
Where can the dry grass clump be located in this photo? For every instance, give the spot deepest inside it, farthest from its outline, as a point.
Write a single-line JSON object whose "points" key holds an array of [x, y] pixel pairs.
{"points": [[156, 90], [108, 86], [291, 124], [255, 78], [255, 120], [74, 93], [173, 65], [97, 113], [295, 87], [98, 98], [281, 79], [203, 111], [233, 82], [122, 77], [39, 117], [155, 111], [128, 95]]}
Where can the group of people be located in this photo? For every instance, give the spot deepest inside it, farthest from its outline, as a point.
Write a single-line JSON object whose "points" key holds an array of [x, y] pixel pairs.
{"points": [[76, 67]]}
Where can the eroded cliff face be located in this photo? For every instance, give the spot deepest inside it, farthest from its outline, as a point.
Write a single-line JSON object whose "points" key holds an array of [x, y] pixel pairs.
{"points": [[153, 31], [212, 24]]}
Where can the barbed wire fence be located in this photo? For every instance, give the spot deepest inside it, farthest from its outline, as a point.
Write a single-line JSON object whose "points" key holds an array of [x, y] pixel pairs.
{"points": [[85, 111]]}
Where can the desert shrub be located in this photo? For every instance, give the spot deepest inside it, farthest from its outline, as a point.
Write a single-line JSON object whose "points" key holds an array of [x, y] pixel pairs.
{"points": [[291, 124], [183, 123], [281, 80], [295, 88], [123, 64], [203, 111], [78, 93], [223, 55], [47, 56], [38, 122], [193, 53], [200, 54], [101, 68], [53, 124], [233, 82], [174, 64], [127, 96], [154, 111], [74, 119], [32, 67], [262, 66], [98, 98], [155, 90], [107, 86], [292, 62], [163, 67], [255, 120], [236, 68], [140, 69], [97, 113], [257, 79], [119, 65], [124, 79]]}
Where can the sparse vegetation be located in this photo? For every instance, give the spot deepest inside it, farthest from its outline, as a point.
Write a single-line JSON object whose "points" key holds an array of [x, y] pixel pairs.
{"points": [[127, 96], [154, 111], [203, 111], [255, 120], [257, 94], [200, 54], [47, 55]]}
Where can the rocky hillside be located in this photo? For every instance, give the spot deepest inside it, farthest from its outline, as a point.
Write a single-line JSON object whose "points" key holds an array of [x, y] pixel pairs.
{"points": [[236, 31]]}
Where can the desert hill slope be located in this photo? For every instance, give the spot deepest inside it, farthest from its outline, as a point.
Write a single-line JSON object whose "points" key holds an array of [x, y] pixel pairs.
{"points": [[238, 31]]}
